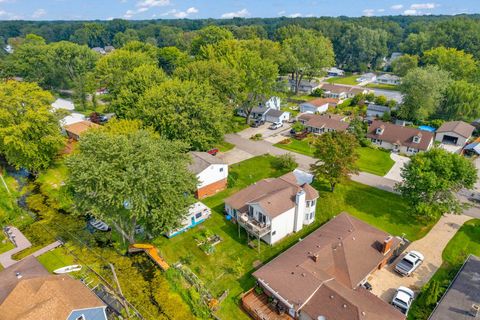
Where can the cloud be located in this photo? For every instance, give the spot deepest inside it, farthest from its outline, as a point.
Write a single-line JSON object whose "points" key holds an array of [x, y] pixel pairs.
{"points": [[184, 14], [39, 13], [3, 13], [410, 12], [417, 6], [238, 14], [152, 3], [380, 10], [281, 13], [295, 15], [396, 7], [368, 12]]}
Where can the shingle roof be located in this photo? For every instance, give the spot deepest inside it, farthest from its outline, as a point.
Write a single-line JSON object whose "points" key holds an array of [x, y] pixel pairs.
{"points": [[338, 88], [80, 127], [322, 101], [201, 161], [274, 113], [403, 136], [387, 76], [328, 121], [459, 127], [347, 250], [378, 108]]}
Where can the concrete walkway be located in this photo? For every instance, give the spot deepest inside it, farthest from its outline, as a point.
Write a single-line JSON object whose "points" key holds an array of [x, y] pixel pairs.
{"points": [[20, 242], [386, 281], [47, 248], [395, 171]]}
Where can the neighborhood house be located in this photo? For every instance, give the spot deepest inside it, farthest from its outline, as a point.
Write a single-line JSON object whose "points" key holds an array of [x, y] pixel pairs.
{"points": [[321, 276], [376, 111], [274, 208], [399, 139], [76, 129], [454, 133], [197, 214], [389, 79], [211, 173], [342, 92], [319, 124], [269, 112], [367, 78], [306, 86], [335, 72], [319, 105]]}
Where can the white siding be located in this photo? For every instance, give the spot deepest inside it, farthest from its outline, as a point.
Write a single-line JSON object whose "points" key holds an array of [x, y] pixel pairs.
{"points": [[307, 107], [282, 225], [214, 173], [460, 142]]}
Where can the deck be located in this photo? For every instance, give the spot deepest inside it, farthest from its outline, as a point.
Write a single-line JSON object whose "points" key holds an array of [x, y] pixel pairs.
{"points": [[258, 307]]}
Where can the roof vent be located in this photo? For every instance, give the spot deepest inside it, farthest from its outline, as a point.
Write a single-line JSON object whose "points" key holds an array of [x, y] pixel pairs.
{"points": [[475, 311], [293, 272], [331, 296], [18, 275], [315, 257], [364, 313], [303, 274], [344, 306], [353, 238]]}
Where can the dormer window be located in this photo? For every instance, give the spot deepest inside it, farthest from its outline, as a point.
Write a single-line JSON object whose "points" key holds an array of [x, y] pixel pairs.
{"points": [[417, 138], [380, 130]]}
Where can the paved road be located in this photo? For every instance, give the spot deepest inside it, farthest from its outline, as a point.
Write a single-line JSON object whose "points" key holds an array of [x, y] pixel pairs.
{"points": [[385, 281], [20, 242]]}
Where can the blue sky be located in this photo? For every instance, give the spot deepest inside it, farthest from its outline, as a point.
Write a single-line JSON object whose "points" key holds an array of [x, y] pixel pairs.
{"points": [[194, 9]]}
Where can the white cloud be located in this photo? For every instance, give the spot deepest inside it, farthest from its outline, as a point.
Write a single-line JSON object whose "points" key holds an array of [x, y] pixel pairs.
{"points": [[192, 10], [417, 6], [281, 13], [184, 14], [396, 7], [153, 3], [380, 10], [3, 13], [410, 12], [142, 9], [238, 14], [295, 15], [368, 12], [39, 13]]}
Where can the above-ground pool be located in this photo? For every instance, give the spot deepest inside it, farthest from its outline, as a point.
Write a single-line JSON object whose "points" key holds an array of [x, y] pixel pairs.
{"points": [[427, 128]]}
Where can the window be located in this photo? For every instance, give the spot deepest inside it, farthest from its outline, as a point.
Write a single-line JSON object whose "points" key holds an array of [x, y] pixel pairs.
{"points": [[198, 215], [221, 169], [306, 216], [311, 215], [262, 218], [313, 203], [250, 211], [274, 232]]}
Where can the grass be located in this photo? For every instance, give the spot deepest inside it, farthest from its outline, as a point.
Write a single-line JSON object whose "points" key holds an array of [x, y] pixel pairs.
{"points": [[349, 80], [230, 266], [383, 86], [237, 124], [5, 244], [371, 160], [465, 242], [224, 146], [56, 258]]}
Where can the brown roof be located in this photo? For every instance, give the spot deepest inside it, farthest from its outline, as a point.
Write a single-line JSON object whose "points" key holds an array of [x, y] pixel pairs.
{"points": [[403, 136], [459, 127], [328, 121], [347, 250], [322, 101], [202, 160], [275, 196], [78, 128], [47, 297], [338, 88]]}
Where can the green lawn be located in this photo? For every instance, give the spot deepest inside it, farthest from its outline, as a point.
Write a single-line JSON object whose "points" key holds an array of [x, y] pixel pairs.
{"points": [[465, 242], [237, 124], [224, 146], [371, 160], [383, 86], [350, 80], [231, 265], [57, 258], [5, 244]]}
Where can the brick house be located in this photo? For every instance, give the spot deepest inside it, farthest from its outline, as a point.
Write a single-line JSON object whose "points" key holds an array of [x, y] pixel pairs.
{"points": [[211, 173]]}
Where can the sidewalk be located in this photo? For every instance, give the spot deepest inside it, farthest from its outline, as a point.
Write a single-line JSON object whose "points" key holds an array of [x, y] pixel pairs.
{"points": [[21, 243]]}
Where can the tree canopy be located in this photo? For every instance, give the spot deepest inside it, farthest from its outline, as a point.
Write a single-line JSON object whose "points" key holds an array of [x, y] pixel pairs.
{"points": [[459, 64]]}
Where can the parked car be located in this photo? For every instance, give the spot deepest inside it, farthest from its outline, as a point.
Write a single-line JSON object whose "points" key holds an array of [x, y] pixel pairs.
{"points": [[257, 123], [402, 300], [213, 152], [276, 125], [409, 263]]}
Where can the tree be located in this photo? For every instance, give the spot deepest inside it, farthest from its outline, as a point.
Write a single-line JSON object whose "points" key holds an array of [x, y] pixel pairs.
{"points": [[90, 34], [122, 38], [170, 58], [307, 54], [208, 36], [337, 157], [431, 180], [184, 110], [29, 132], [403, 64], [127, 176], [461, 102], [423, 90], [358, 128], [460, 65]]}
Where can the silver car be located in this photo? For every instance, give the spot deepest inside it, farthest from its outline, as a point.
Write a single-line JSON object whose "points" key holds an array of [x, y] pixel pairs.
{"points": [[403, 299], [409, 263]]}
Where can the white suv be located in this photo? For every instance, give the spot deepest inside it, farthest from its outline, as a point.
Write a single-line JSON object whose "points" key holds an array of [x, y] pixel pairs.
{"points": [[403, 299], [276, 125]]}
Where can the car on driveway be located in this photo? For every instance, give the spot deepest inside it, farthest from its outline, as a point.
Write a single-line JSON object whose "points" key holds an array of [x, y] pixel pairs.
{"points": [[409, 263], [257, 123], [276, 125], [402, 300]]}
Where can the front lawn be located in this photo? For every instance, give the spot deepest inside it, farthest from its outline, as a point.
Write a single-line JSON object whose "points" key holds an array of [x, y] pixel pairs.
{"points": [[230, 266], [237, 124], [390, 87], [370, 160], [465, 242], [5, 244], [224, 146], [350, 80]]}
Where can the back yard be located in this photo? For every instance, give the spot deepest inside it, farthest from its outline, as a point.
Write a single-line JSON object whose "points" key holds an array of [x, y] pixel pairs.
{"points": [[350, 80], [230, 266]]}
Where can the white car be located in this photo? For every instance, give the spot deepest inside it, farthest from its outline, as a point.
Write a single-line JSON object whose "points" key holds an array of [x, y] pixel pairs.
{"points": [[276, 125], [409, 263], [403, 299]]}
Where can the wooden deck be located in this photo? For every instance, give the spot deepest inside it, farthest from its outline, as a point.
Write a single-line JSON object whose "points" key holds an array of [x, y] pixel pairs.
{"points": [[258, 307]]}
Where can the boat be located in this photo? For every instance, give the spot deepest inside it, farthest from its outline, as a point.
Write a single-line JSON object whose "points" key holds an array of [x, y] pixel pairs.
{"points": [[99, 225], [67, 269]]}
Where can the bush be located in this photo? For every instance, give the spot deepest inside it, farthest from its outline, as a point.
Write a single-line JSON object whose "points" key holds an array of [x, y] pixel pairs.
{"points": [[286, 141], [298, 126], [317, 93], [285, 162], [256, 137]]}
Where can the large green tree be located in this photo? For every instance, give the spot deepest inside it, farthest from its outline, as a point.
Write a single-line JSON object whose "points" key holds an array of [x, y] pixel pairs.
{"points": [[184, 110], [403, 64], [431, 180], [127, 176], [30, 134], [208, 36], [336, 157], [307, 54], [423, 90], [461, 102], [460, 65]]}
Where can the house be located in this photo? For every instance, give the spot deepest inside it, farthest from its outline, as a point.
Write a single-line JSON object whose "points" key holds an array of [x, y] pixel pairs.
{"points": [[306, 86], [8, 49], [341, 92], [63, 104], [211, 172], [399, 139], [319, 105], [319, 124], [335, 72], [197, 213], [454, 133], [394, 56], [321, 276], [74, 117], [461, 301], [375, 111], [274, 208], [75, 130], [389, 79], [29, 291], [269, 112], [367, 78], [99, 50]]}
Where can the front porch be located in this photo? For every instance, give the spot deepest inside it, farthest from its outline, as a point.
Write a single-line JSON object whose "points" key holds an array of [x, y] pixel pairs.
{"points": [[259, 307]]}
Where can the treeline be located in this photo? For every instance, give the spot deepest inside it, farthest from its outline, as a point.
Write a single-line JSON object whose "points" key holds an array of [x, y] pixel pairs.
{"points": [[359, 43]]}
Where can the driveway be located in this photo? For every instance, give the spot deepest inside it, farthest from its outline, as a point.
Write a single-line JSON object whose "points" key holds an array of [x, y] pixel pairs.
{"points": [[20, 242], [264, 131], [384, 282], [400, 162]]}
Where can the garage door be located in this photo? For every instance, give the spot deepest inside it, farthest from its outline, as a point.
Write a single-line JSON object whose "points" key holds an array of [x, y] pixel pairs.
{"points": [[449, 139]]}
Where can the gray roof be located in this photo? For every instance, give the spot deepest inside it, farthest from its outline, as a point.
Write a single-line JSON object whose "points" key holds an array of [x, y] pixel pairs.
{"points": [[274, 113], [464, 291], [261, 110], [378, 108], [387, 76], [201, 161], [459, 127]]}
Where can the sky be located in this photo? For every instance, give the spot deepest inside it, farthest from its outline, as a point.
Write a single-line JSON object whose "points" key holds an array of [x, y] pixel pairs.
{"points": [[197, 9]]}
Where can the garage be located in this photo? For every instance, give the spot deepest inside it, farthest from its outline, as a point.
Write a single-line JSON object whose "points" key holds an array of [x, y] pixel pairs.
{"points": [[449, 139], [273, 115]]}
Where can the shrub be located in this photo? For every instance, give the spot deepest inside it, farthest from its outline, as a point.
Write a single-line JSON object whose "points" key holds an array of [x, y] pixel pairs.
{"points": [[298, 126], [256, 137], [317, 93], [285, 162], [286, 141]]}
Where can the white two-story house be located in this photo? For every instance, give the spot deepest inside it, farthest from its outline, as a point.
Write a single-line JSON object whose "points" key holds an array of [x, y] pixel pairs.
{"points": [[274, 208], [211, 172]]}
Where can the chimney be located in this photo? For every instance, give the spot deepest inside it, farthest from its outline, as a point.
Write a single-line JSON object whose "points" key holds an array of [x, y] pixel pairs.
{"points": [[475, 311], [315, 257], [387, 245]]}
